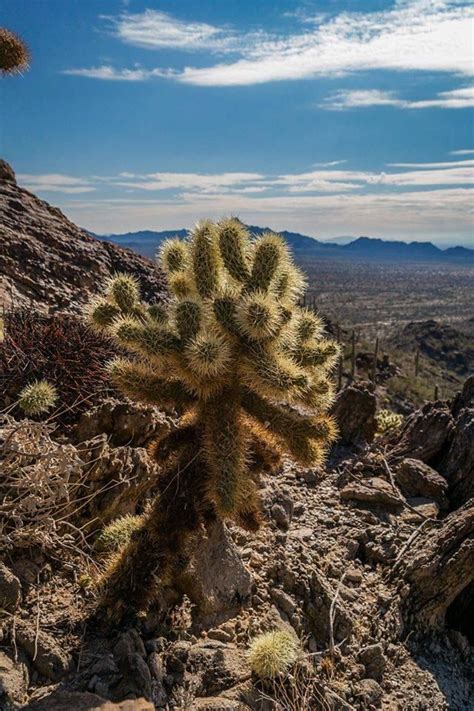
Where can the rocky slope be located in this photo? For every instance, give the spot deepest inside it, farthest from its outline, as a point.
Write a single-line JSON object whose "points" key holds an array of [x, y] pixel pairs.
{"points": [[47, 260], [370, 561]]}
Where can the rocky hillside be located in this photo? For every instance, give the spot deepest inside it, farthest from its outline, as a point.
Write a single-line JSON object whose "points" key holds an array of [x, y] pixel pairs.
{"points": [[47, 260], [440, 342]]}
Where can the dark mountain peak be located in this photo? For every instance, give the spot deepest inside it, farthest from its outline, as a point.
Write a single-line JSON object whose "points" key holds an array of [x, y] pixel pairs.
{"points": [[147, 242]]}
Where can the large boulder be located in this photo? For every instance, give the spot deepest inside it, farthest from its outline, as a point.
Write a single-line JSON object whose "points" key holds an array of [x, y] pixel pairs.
{"points": [[354, 410], [415, 478], [426, 433], [458, 463], [216, 579]]}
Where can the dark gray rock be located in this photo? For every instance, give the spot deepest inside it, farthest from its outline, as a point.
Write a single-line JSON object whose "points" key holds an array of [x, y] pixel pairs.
{"points": [[44, 651], [415, 478], [10, 589], [426, 433], [373, 659], [354, 410], [216, 580], [374, 491], [458, 464]]}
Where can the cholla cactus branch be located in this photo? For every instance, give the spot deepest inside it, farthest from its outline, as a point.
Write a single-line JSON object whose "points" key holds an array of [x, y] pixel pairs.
{"points": [[245, 367]]}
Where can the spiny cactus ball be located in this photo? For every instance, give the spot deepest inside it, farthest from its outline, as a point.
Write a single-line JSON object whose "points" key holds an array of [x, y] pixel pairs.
{"points": [[247, 370], [273, 653], [37, 397], [14, 54]]}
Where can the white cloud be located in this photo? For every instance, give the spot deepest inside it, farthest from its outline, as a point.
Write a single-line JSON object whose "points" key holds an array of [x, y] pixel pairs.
{"points": [[463, 152], [108, 73], [154, 29], [329, 164], [454, 99], [191, 181], [55, 183], [426, 214], [213, 186], [413, 35]]}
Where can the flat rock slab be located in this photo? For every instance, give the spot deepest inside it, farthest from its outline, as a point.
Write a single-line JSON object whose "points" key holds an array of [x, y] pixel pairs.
{"points": [[375, 491]]}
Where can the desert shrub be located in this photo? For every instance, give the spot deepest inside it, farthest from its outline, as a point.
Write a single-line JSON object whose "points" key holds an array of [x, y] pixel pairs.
{"points": [[243, 365], [273, 653], [117, 534], [58, 348], [388, 421], [38, 485], [14, 54]]}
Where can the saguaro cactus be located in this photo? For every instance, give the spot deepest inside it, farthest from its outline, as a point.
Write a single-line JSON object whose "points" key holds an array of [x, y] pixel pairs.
{"points": [[246, 369]]}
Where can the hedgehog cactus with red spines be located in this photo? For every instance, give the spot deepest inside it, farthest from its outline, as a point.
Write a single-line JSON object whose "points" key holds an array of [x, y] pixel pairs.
{"points": [[233, 354]]}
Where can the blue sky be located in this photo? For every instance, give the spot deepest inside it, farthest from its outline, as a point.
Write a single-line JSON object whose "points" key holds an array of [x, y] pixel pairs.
{"points": [[330, 118]]}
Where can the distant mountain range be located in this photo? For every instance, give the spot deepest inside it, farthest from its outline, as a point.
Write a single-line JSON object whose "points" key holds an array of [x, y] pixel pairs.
{"points": [[147, 242]]}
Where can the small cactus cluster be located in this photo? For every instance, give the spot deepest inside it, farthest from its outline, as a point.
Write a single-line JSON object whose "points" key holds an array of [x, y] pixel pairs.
{"points": [[273, 653], [37, 398], [14, 54], [247, 370], [388, 421]]}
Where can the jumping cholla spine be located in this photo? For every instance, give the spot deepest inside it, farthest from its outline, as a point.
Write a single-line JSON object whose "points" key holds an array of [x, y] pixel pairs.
{"points": [[246, 368]]}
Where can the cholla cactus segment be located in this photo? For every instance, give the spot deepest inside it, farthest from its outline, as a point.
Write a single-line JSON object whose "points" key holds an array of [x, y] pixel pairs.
{"points": [[188, 317], [118, 533], [158, 313], [270, 253], [103, 313], [308, 326], [206, 259], [234, 247], [181, 285], [273, 653], [247, 370], [173, 255], [37, 397], [123, 289], [258, 316], [209, 355], [14, 54]]}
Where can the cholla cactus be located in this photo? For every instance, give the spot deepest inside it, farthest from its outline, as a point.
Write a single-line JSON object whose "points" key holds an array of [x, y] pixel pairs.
{"points": [[14, 54], [273, 653], [37, 397], [244, 366]]}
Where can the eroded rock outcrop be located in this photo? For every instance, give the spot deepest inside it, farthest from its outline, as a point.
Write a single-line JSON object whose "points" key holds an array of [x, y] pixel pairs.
{"points": [[47, 259]]}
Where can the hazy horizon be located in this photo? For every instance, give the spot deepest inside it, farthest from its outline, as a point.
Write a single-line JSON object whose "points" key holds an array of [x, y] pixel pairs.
{"points": [[326, 118]]}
